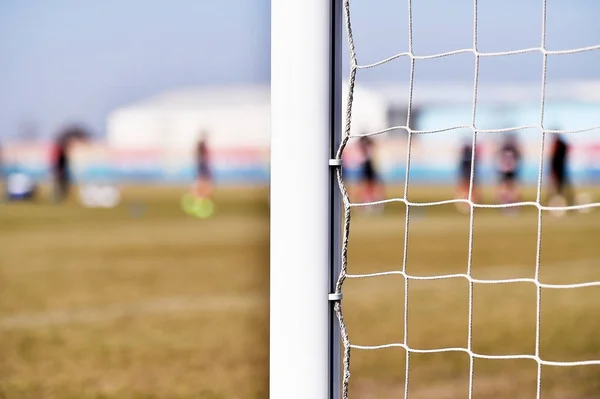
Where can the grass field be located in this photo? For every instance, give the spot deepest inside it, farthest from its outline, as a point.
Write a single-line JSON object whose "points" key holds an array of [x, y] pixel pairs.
{"points": [[142, 301]]}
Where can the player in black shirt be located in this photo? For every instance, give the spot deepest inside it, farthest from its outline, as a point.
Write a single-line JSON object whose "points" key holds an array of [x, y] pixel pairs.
{"points": [[2, 177], [60, 169], [464, 172], [371, 187], [559, 176], [509, 162], [204, 174], [60, 160]]}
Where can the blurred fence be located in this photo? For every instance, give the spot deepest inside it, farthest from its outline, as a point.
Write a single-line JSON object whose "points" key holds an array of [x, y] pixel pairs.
{"points": [[432, 162], [99, 162], [434, 156]]}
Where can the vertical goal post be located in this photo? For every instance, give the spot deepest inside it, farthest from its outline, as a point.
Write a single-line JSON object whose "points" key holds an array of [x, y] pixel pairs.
{"points": [[305, 217]]}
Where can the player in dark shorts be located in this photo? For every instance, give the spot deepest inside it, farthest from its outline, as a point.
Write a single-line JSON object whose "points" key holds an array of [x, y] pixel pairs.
{"points": [[60, 160], [60, 169], [2, 177], [371, 187], [559, 176], [509, 162], [204, 174], [198, 202], [464, 172]]}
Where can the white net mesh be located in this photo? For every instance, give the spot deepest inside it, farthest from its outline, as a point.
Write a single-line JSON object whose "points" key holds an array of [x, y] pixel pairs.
{"points": [[348, 205]]}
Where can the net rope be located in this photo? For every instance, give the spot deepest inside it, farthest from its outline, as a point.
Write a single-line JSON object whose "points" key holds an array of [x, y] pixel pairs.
{"points": [[348, 204]]}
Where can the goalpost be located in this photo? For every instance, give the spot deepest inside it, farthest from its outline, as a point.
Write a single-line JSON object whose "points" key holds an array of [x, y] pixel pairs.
{"points": [[310, 209], [305, 202]]}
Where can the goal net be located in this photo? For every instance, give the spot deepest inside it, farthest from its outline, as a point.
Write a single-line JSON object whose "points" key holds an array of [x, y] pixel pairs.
{"points": [[539, 325]]}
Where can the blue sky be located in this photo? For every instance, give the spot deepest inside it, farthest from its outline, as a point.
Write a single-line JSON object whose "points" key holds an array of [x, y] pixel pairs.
{"points": [[66, 61]]}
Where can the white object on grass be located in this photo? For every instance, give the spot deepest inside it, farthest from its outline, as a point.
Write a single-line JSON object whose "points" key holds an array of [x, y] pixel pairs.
{"points": [[99, 196], [583, 199], [19, 186], [558, 202]]}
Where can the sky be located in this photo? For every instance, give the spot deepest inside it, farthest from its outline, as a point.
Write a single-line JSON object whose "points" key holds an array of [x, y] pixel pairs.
{"points": [[74, 61]]}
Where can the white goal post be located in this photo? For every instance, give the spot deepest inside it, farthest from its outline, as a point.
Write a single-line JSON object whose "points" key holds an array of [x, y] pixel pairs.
{"points": [[305, 201]]}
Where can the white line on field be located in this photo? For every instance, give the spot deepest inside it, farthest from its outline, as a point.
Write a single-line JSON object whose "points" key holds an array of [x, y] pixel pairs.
{"points": [[113, 312]]}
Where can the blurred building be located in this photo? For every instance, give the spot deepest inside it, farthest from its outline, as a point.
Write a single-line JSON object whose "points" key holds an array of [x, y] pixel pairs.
{"points": [[153, 140], [233, 116], [448, 109]]}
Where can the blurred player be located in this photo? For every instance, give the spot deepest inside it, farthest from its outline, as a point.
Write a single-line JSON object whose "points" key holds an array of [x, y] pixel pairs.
{"points": [[560, 184], [60, 169], [464, 174], [199, 202], [2, 177], [509, 161], [204, 178], [60, 160], [370, 186]]}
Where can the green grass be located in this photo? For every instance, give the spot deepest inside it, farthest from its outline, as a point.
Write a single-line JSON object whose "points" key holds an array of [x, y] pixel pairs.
{"points": [[142, 301]]}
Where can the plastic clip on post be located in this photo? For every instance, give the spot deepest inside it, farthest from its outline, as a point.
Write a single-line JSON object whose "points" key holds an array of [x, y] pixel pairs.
{"points": [[336, 297], [335, 163]]}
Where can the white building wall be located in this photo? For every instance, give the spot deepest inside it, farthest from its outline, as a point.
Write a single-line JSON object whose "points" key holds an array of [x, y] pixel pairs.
{"points": [[246, 126], [174, 121], [369, 110], [135, 128]]}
